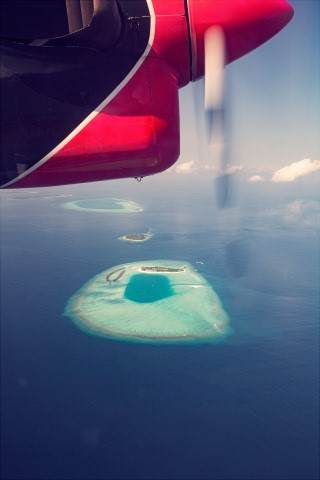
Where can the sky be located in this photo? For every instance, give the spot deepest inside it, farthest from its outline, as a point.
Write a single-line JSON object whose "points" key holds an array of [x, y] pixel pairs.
{"points": [[273, 106]]}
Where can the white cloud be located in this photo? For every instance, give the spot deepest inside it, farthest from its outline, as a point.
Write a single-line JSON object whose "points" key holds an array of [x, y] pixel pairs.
{"points": [[234, 168], [297, 206], [296, 170], [255, 178], [303, 212], [210, 168], [198, 167], [192, 166], [186, 167]]}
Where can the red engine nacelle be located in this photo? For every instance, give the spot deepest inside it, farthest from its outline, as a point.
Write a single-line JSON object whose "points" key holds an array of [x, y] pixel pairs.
{"points": [[134, 130]]}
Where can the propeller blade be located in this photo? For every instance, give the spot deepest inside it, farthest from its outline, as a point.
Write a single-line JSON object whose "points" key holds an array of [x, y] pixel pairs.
{"points": [[214, 48], [215, 98], [215, 61]]}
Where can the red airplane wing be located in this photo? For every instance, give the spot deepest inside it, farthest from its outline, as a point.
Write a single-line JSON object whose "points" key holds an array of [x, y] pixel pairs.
{"points": [[96, 105], [109, 144]]}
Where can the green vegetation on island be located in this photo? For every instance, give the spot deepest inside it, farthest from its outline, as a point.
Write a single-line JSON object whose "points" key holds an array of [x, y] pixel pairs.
{"points": [[163, 269], [136, 237]]}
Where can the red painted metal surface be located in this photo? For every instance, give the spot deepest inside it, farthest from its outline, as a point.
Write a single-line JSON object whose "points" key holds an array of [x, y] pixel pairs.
{"points": [[143, 142], [137, 132], [246, 23]]}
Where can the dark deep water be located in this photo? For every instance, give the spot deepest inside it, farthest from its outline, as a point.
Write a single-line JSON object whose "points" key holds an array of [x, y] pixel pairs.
{"points": [[76, 406]]}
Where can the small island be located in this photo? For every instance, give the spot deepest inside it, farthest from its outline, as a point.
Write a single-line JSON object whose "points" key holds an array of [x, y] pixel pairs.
{"points": [[136, 237], [163, 269]]}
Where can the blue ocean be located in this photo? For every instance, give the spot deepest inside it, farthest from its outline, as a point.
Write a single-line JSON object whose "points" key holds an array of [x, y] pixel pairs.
{"points": [[80, 406]]}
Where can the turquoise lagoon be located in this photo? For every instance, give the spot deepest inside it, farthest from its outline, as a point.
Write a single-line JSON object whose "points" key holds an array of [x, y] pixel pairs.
{"points": [[155, 301]]}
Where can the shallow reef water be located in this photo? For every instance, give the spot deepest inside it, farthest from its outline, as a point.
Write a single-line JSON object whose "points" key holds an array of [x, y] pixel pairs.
{"points": [[104, 205], [155, 301]]}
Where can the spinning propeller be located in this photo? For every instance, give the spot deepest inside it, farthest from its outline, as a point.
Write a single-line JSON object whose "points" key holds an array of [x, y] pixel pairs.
{"points": [[222, 31], [215, 62]]}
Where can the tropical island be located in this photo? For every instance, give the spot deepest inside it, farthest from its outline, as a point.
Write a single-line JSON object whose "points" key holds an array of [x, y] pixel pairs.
{"points": [[163, 269], [136, 237], [155, 301], [104, 205]]}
